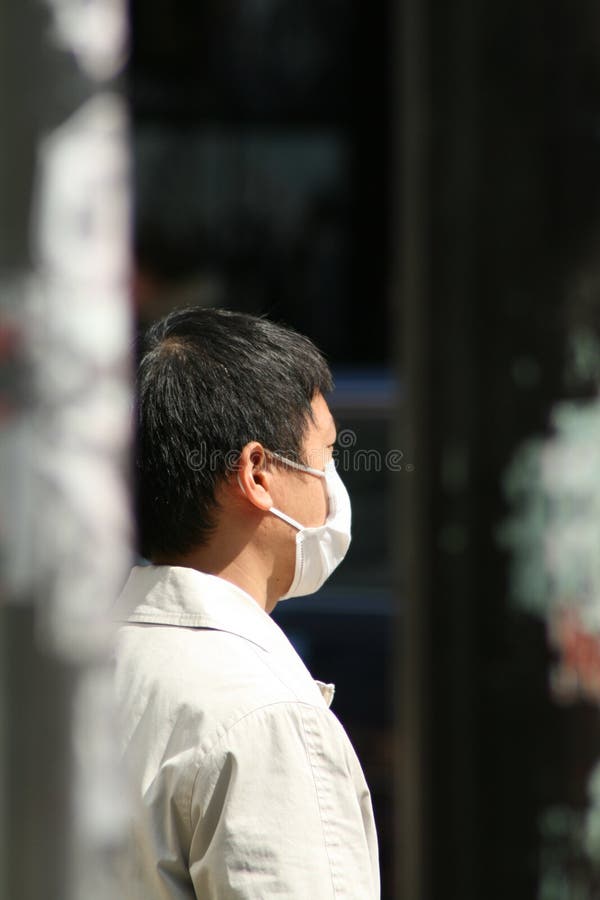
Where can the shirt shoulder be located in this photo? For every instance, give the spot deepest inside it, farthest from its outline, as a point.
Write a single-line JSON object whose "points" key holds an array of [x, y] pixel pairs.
{"points": [[192, 683]]}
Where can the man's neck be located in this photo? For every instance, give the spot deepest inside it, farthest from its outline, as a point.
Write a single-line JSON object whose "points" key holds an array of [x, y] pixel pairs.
{"points": [[242, 570]]}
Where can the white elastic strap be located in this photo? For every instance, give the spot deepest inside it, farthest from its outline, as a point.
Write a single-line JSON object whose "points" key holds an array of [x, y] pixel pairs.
{"points": [[295, 465], [277, 512], [288, 519]]}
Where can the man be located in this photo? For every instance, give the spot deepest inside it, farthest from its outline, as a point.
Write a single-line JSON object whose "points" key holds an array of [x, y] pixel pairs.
{"points": [[247, 784]]}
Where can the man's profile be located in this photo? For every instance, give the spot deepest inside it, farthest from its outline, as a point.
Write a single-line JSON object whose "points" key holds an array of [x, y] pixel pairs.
{"points": [[246, 784]]}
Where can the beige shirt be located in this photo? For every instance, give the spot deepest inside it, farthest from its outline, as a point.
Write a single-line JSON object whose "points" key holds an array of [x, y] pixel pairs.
{"points": [[246, 783]]}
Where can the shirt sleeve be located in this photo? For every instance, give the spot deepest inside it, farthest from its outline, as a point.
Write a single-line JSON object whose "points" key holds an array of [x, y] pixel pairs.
{"points": [[280, 808]]}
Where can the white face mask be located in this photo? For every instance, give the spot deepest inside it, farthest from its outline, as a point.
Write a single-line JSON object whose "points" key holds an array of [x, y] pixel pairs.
{"points": [[319, 550]]}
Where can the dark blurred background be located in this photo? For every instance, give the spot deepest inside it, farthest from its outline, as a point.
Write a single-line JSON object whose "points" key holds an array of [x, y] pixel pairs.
{"points": [[260, 163], [416, 188]]}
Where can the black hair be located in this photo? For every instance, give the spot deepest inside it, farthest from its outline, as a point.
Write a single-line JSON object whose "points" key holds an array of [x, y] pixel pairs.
{"points": [[210, 381]]}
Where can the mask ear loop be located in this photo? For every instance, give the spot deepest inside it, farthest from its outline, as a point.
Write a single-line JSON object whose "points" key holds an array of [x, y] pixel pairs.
{"points": [[281, 515], [310, 471], [276, 512], [294, 465], [298, 466]]}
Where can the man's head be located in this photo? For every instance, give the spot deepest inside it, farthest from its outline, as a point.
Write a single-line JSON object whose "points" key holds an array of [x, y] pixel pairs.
{"points": [[213, 388]]}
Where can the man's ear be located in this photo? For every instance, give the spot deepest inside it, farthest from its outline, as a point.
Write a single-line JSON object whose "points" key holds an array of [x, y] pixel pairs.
{"points": [[253, 477]]}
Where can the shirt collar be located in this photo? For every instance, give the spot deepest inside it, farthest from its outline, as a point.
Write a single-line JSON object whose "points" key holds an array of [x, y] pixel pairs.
{"points": [[173, 595]]}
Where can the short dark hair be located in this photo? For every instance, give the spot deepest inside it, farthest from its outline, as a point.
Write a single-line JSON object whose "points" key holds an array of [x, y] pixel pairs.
{"points": [[210, 381]]}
